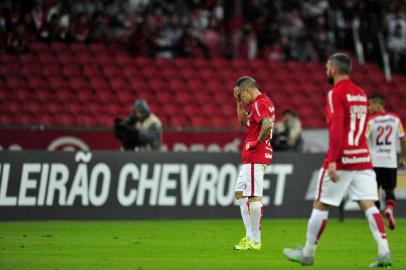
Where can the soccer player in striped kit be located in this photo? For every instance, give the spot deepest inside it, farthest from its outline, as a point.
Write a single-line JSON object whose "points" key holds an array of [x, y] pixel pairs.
{"points": [[347, 166], [256, 156], [383, 130]]}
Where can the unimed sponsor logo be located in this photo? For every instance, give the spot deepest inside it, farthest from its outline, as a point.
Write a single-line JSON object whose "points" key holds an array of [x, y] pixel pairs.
{"points": [[134, 184]]}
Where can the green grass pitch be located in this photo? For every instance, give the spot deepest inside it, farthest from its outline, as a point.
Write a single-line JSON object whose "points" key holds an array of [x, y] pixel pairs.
{"points": [[186, 244]]}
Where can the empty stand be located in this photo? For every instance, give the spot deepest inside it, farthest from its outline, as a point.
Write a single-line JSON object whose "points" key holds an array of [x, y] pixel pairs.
{"points": [[88, 85]]}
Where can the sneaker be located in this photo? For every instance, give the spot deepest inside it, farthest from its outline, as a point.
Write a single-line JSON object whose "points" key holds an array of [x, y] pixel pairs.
{"points": [[296, 255], [382, 261], [254, 246], [243, 244], [391, 219]]}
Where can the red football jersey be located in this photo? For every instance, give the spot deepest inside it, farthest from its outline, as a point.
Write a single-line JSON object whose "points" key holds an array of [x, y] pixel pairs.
{"points": [[347, 115], [261, 107]]}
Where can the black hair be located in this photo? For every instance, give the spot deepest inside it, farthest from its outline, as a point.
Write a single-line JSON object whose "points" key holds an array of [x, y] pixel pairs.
{"points": [[246, 81], [342, 62], [377, 98], [288, 111]]}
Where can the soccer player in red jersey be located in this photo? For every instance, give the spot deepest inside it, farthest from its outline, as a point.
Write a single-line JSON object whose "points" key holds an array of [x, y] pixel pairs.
{"points": [[347, 166], [256, 156]]}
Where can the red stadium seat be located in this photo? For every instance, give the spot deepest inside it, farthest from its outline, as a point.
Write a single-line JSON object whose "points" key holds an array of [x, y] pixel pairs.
{"points": [[176, 84], [182, 63], [37, 82], [65, 97], [8, 59], [10, 69], [28, 59], [78, 48], [196, 85], [67, 120], [7, 119], [25, 119], [131, 72], [164, 97], [78, 83], [86, 95], [39, 47], [143, 62], [31, 70], [47, 58], [119, 84], [220, 64], [125, 98], [75, 107], [91, 71], [151, 72], [33, 107], [71, 70], [106, 97], [192, 110], [123, 59], [201, 64], [58, 47], [219, 122], [44, 119], [66, 58], [200, 121], [104, 120], [52, 70], [137, 83], [86, 120], [85, 59], [98, 48], [16, 82], [22, 95], [189, 73], [112, 71], [179, 121], [104, 58], [158, 85], [58, 82], [44, 95], [99, 84]]}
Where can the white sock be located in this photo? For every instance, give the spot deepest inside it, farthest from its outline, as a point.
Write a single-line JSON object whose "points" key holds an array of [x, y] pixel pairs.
{"points": [[315, 227], [377, 226], [256, 216], [245, 214]]}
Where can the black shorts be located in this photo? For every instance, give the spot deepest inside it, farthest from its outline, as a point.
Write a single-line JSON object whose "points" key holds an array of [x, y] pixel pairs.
{"points": [[386, 177]]}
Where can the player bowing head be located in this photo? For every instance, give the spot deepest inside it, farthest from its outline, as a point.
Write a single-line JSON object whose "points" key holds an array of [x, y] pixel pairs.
{"points": [[256, 156], [247, 90]]}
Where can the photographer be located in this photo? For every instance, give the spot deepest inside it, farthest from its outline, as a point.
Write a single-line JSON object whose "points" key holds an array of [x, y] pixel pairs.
{"points": [[142, 131], [288, 133]]}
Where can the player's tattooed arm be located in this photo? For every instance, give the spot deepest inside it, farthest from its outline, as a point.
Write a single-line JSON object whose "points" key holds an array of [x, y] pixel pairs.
{"points": [[266, 128]]}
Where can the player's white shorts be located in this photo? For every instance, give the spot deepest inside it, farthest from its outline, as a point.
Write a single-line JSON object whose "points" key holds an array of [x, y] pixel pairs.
{"points": [[357, 184], [251, 179]]}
